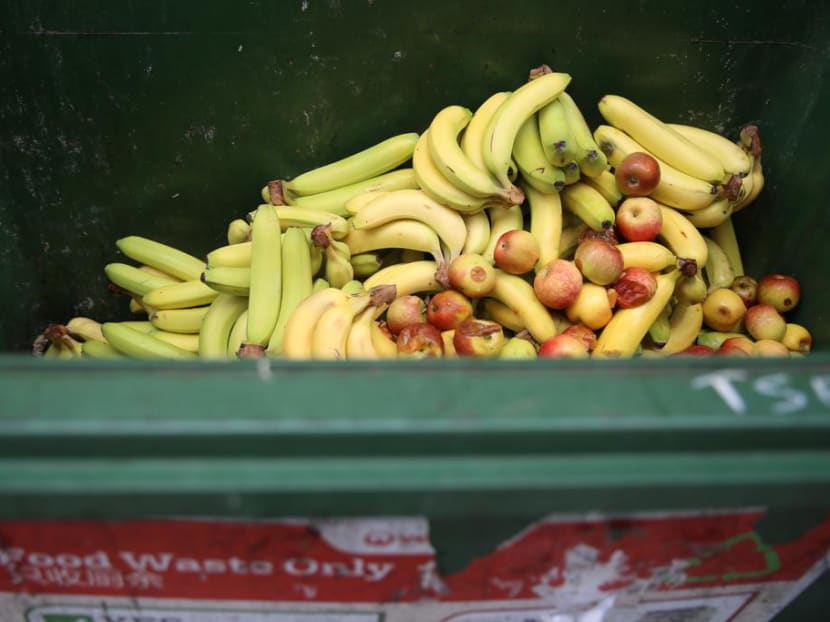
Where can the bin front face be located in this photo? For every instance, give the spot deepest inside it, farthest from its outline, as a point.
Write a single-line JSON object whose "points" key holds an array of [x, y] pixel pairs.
{"points": [[167, 120]]}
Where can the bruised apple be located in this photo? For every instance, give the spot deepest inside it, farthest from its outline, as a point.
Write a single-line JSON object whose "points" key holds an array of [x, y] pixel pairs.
{"points": [[405, 310], [448, 308], [422, 340], [472, 275], [563, 346], [479, 338], [635, 286]]}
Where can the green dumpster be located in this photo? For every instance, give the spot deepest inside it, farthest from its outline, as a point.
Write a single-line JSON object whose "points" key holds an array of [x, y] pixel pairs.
{"points": [[165, 120]]}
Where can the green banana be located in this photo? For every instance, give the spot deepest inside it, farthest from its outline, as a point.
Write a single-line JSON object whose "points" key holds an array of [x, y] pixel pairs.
{"points": [[142, 345], [266, 276], [297, 283], [161, 256], [334, 201], [228, 280], [590, 158], [217, 325]]}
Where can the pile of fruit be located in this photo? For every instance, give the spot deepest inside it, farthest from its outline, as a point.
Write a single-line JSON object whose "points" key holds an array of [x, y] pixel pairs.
{"points": [[512, 230]]}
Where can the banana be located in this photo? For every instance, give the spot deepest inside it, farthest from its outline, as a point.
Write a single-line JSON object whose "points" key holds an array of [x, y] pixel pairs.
{"points": [[498, 311], [161, 256], [334, 201], [555, 133], [436, 185], [228, 280], [181, 295], [265, 287], [545, 212], [686, 322], [239, 230], [717, 270], [682, 237], [179, 320], [472, 140], [99, 350], [445, 150], [66, 346], [356, 203], [660, 330], [590, 158], [309, 218], [85, 328], [501, 220], [143, 345], [755, 185], [651, 256], [606, 184], [299, 328], [238, 334], [660, 139], [478, 233], [231, 256], [711, 216], [338, 267], [185, 341], [733, 159], [724, 236], [331, 332], [535, 167], [519, 296], [569, 239], [625, 331], [365, 264], [403, 233], [589, 205], [408, 255], [675, 188], [134, 280], [159, 273], [296, 282], [136, 306], [366, 164], [319, 284], [691, 290], [217, 325], [144, 326], [543, 87], [572, 172], [359, 343], [415, 205], [408, 278], [317, 255], [385, 344]]}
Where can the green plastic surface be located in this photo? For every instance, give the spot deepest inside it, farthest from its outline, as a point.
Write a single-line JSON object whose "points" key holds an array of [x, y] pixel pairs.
{"points": [[165, 119]]}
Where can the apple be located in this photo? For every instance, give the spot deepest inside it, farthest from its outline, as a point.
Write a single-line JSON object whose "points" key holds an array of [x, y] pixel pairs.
{"points": [[780, 290], [737, 346], [797, 338], [479, 338], [448, 308], [770, 348], [635, 286], [557, 284], [516, 251], [405, 310], [639, 219], [723, 309], [638, 174], [747, 288], [563, 346], [763, 321], [593, 307], [518, 348], [420, 340], [587, 335], [472, 275], [696, 349], [598, 261]]}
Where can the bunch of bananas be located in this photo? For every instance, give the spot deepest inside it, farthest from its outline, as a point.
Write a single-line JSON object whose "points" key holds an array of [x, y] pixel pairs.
{"points": [[310, 272]]}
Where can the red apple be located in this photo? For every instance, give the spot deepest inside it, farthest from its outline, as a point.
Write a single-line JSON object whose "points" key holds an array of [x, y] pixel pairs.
{"points": [[479, 338], [599, 261], [516, 251], [639, 219], [563, 346], [737, 346], [588, 336], [780, 290], [763, 321], [421, 340], [472, 275], [747, 288], [638, 174], [448, 308], [557, 284], [405, 310], [770, 348], [696, 349], [635, 286]]}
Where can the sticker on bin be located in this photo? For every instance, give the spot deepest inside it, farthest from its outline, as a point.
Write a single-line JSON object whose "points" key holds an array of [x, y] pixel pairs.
{"points": [[123, 614]]}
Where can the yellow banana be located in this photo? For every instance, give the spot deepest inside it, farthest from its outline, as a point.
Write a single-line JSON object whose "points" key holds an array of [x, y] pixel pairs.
{"points": [[171, 260], [144, 326], [545, 223], [675, 189], [142, 345], [297, 283], [238, 334], [590, 158], [239, 230], [498, 311], [331, 333], [535, 167], [99, 350], [478, 233], [134, 280], [625, 331], [136, 306], [185, 341], [403, 233], [265, 287], [366, 264], [181, 295], [686, 322], [725, 237], [711, 216], [356, 203], [525, 101], [217, 325], [582, 200], [160, 273], [606, 184], [179, 320], [308, 218], [370, 162], [299, 328], [231, 256], [85, 328], [334, 201], [360, 345], [415, 205], [338, 267], [319, 284], [519, 296], [717, 270], [385, 345], [691, 290], [682, 237], [555, 133], [660, 330], [501, 219], [660, 139], [754, 186], [228, 280], [733, 159], [437, 186], [472, 140], [409, 278], [651, 256]]}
